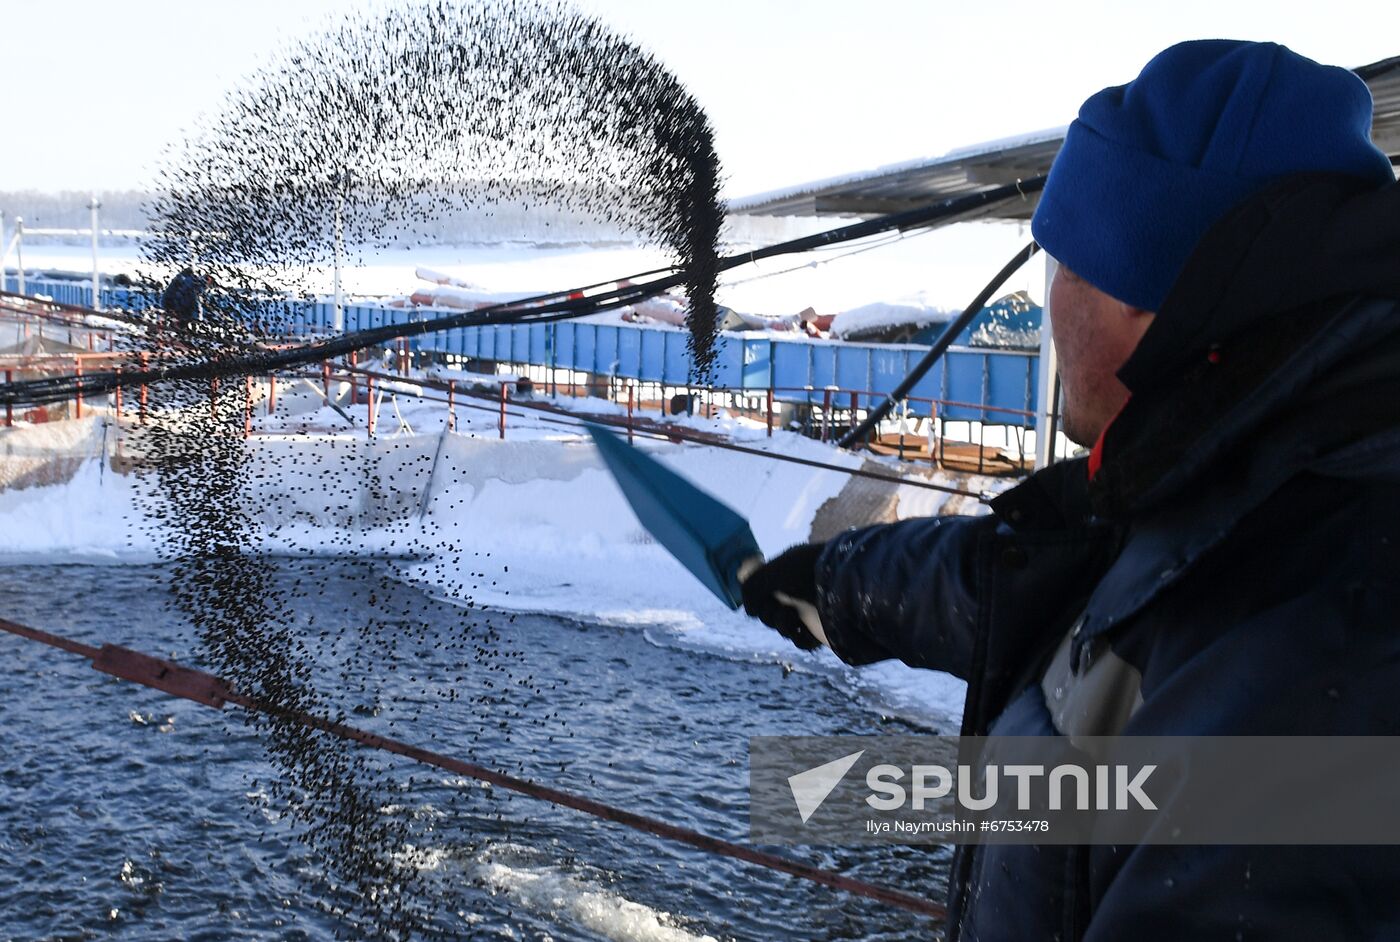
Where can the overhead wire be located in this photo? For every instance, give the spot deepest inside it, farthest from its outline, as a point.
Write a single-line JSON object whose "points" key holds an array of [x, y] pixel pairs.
{"points": [[536, 309]]}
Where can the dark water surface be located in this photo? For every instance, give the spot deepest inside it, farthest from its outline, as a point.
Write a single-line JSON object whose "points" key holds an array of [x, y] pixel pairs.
{"points": [[128, 814]]}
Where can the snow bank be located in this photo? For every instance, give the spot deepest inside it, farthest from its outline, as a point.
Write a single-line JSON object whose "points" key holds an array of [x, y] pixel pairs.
{"points": [[536, 520]]}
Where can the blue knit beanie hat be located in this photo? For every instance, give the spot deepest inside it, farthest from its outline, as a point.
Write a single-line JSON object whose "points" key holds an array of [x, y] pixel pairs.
{"points": [[1149, 166]]}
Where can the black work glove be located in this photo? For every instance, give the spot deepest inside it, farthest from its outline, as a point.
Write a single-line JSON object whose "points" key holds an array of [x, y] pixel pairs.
{"points": [[792, 573]]}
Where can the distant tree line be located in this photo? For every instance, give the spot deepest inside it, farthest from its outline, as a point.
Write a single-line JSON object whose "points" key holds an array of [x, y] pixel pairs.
{"points": [[68, 209], [543, 224], [499, 222]]}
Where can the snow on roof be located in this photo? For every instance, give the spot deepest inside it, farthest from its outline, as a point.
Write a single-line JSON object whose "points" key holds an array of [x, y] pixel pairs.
{"points": [[910, 183], [878, 315]]}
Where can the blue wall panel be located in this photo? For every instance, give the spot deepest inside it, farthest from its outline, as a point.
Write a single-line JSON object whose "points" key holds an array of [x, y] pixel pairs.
{"points": [[792, 367], [585, 339], [652, 348], [852, 367], [677, 358], [629, 353], [758, 362]]}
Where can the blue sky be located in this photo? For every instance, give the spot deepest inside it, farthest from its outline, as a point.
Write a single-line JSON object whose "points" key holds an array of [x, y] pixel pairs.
{"points": [[795, 91]]}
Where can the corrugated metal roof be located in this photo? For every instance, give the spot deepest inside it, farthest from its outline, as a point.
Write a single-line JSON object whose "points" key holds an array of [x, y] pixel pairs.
{"points": [[915, 183], [1384, 80]]}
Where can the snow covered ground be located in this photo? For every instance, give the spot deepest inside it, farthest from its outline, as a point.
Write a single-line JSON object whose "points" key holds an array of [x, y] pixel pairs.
{"points": [[537, 522]]}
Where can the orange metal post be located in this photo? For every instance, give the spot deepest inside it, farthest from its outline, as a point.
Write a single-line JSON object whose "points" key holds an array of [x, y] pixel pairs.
{"points": [[145, 360], [271, 394], [326, 378], [118, 394], [770, 411], [78, 397], [452, 405], [369, 391], [503, 411]]}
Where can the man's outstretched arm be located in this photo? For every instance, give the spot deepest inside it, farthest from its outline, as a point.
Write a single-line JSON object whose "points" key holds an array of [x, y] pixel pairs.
{"points": [[902, 590]]}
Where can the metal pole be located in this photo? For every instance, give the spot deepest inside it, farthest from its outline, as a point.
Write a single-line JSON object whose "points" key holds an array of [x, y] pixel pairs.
{"points": [[770, 411], [630, 402], [78, 396], [214, 397], [9, 408], [338, 317], [194, 267], [326, 378], [452, 405], [144, 361], [118, 394], [369, 389], [247, 407], [271, 394], [826, 413], [502, 424], [19, 250], [96, 282], [903, 424]]}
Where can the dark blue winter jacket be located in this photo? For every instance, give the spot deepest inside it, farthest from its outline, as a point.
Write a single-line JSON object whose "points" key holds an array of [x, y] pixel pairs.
{"points": [[1232, 567], [181, 297]]}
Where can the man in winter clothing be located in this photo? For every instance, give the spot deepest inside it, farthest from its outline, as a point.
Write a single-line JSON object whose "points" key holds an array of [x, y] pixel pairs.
{"points": [[1226, 560], [181, 297]]}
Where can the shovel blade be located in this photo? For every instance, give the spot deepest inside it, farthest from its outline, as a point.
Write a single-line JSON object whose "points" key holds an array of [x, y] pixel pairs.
{"points": [[704, 534]]}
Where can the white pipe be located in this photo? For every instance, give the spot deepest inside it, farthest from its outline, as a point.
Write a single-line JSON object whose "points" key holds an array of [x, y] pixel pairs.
{"points": [[1045, 424], [338, 319]]}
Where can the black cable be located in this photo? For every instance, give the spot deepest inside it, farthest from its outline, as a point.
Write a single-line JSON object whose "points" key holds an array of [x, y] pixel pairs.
{"points": [[59, 388], [940, 347]]}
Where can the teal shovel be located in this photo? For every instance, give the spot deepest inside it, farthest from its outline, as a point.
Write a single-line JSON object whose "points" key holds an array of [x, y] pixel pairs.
{"points": [[705, 535]]}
